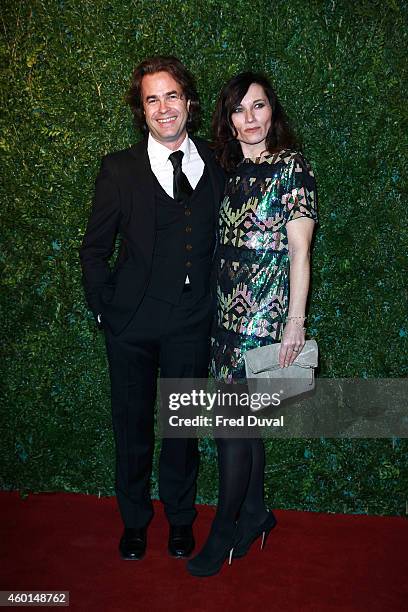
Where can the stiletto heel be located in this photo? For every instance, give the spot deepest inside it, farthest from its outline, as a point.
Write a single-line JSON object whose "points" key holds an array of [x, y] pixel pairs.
{"points": [[248, 532], [218, 547]]}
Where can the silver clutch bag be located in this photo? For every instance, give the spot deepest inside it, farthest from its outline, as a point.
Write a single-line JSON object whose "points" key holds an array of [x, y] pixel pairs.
{"points": [[265, 376]]}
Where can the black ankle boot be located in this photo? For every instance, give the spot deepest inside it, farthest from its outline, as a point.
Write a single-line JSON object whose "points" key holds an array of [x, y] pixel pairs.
{"points": [[218, 547], [249, 530]]}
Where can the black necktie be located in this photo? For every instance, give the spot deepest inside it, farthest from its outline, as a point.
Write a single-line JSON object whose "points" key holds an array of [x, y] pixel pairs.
{"points": [[181, 187]]}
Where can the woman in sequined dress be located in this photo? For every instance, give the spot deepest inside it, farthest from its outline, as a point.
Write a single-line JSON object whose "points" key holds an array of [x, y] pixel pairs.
{"points": [[267, 219]]}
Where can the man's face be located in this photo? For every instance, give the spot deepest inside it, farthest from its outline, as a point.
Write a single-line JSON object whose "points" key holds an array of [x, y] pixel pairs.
{"points": [[165, 108]]}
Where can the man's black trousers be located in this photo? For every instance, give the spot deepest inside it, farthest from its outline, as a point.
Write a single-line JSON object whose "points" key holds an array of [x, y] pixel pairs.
{"points": [[174, 339]]}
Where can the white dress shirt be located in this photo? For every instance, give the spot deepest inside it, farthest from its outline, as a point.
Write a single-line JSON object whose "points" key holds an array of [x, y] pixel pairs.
{"points": [[192, 164]]}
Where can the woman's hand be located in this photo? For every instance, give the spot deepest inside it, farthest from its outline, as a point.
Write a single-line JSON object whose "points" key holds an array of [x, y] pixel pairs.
{"points": [[293, 341]]}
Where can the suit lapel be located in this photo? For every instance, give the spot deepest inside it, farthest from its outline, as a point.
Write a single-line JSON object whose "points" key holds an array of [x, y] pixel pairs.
{"points": [[208, 159], [144, 179], [144, 171]]}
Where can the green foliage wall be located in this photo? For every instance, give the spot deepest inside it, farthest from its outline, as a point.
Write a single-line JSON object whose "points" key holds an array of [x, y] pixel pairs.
{"points": [[339, 69]]}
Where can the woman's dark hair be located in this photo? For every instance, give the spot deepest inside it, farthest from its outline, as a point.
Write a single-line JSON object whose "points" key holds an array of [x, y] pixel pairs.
{"points": [[227, 148], [172, 65]]}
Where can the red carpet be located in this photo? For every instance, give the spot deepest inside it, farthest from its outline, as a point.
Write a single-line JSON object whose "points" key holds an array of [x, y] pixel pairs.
{"points": [[312, 562]]}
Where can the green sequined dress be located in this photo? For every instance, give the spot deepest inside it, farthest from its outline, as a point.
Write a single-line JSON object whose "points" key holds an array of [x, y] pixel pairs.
{"points": [[252, 263]]}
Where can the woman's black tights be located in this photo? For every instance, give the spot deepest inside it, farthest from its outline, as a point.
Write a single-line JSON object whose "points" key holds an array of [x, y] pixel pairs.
{"points": [[241, 464]]}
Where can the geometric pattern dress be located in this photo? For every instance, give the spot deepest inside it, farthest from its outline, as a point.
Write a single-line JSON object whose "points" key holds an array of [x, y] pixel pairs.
{"points": [[252, 262]]}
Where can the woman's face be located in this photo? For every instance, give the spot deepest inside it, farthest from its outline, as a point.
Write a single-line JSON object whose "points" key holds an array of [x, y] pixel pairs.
{"points": [[252, 119]]}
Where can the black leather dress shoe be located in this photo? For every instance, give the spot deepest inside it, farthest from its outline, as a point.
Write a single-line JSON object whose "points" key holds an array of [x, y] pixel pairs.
{"points": [[181, 541], [132, 546]]}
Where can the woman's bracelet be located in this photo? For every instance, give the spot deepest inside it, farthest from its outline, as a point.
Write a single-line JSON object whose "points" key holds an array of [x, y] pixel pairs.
{"points": [[299, 321]]}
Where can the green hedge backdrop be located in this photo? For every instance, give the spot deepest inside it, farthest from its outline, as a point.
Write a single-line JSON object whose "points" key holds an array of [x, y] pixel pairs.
{"points": [[339, 68]]}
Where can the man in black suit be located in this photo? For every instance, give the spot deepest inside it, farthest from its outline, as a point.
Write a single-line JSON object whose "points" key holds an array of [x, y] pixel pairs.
{"points": [[160, 197]]}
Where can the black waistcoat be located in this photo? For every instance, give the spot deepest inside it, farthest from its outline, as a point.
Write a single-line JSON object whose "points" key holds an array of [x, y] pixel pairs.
{"points": [[184, 243]]}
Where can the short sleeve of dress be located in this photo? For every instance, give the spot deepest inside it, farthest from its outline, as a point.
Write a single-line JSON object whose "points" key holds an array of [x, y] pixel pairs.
{"points": [[300, 197]]}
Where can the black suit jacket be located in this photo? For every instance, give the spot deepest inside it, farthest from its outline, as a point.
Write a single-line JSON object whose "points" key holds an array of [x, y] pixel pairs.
{"points": [[124, 205]]}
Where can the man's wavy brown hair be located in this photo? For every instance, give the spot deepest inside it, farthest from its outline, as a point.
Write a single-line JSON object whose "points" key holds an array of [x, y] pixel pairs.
{"points": [[227, 148], [172, 65]]}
